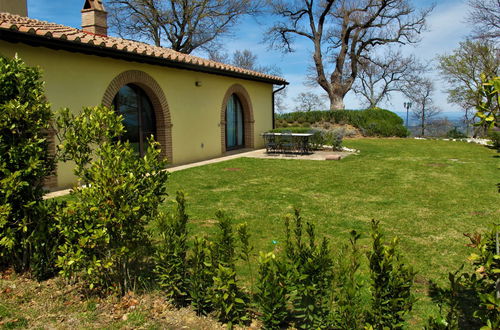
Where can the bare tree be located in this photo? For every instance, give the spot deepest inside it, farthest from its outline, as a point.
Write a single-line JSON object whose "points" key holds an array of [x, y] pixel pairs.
{"points": [[279, 101], [307, 101], [462, 71], [186, 24], [245, 59], [343, 32], [420, 92], [215, 54], [485, 18], [440, 127], [380, 76]]}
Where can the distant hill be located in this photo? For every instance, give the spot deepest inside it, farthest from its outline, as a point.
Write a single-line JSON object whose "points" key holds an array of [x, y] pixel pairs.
{"points": [[453, 116]]}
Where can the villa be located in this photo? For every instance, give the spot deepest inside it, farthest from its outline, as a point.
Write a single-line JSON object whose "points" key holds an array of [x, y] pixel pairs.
{"points": [[195, 108]]}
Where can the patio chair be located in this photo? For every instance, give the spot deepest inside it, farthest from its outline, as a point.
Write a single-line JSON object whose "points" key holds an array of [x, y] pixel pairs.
{"points": [[271, 143], [287, 144]]}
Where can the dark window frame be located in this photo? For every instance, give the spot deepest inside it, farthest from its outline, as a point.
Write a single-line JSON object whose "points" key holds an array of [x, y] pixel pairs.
{"points": [[141, 96]]}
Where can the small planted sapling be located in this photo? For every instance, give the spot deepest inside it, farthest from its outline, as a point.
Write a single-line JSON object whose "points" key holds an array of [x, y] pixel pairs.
{"points": [[310, 274], [390, 285], [171, 252]]}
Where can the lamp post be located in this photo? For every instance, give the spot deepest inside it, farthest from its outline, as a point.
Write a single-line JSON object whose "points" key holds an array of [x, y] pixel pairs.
{"points": [[407, 106]]}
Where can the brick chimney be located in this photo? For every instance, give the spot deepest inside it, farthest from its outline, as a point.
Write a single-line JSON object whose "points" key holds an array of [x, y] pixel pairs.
{"points": [[17, 7], [94, 18]]}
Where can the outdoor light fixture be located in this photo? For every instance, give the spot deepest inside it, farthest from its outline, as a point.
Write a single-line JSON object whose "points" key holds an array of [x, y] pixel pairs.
{"points": [[197, 83], [407, 106]]}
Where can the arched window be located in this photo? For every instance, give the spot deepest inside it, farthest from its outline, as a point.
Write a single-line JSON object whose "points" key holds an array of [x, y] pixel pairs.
{"points": [[235, 130], [138, 116]]}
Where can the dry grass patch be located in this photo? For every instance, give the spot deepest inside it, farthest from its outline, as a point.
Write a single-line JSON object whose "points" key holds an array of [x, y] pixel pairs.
{"points": [[25, 303]]}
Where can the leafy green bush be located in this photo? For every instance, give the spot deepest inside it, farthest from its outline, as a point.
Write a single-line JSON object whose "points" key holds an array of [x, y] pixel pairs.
{"points": [[470, 300], [334, 137], [486, 278], [46, 241], [495, 138], [25, 162], [455, 133], [391, 283], [104, 226], [271, 297], [245, 249], [292, 130], [200, 275], [455, 304], [229, 302], [331, 137], [383, 128], [372, 122], [348, 306], [309, 274], [171, 252]]}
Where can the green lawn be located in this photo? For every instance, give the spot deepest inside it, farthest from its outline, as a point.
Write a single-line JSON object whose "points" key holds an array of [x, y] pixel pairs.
{"points": [[428, 193]]}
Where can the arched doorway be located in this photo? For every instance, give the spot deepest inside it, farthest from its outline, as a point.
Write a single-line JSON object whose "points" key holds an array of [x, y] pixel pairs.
{"points": [[235, 124], [138, 116], [162, 124]]}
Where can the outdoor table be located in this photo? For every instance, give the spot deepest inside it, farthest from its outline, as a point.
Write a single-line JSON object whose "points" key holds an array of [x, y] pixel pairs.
{"points": [[301, 138]]}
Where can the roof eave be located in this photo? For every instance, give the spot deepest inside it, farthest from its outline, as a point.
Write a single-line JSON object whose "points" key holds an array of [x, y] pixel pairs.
{"points": [[59, 44]]}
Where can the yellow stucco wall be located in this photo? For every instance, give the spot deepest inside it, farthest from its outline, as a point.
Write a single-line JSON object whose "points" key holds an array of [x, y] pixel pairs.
{"points": [[75, 80]]}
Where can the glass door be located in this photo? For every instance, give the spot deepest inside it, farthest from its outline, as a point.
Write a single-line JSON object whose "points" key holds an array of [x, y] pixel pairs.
{"points": [[234, 124], [138, 117]]}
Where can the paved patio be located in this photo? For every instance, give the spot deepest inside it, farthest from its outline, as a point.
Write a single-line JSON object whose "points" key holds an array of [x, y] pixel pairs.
{"points": [[317, 155], [260, 153]]}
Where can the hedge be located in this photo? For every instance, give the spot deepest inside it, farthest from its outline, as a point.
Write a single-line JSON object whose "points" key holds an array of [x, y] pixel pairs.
{"points": [[371, 122]]}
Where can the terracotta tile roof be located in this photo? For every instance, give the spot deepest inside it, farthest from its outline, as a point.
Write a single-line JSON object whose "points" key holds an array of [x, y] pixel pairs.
{"points": [[65, 34]]}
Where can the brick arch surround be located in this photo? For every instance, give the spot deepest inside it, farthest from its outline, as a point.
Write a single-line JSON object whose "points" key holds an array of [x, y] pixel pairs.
{"points": [[248, 119], [157, 98]]}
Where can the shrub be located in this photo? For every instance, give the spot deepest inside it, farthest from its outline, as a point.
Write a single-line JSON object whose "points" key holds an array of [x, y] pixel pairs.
{"points": [[495, 138], [348, 308], [171, 252], [455, 303], [225, 246], [318, 140], [332, 137], [383, 128], [24, 121], [103, 228], [200, 275], [47, 239], [486, 278], [471, 299], [271, 297], [246, 249], [309, 274], [372, 122], [291, 129], [455, 134], [228, 300], [391, 283]]}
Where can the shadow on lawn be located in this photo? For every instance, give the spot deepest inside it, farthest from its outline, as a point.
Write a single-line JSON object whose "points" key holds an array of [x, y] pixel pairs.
{"points": [[457, 301]]}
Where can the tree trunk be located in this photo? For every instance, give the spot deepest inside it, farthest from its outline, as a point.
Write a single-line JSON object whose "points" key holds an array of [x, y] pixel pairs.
{"points": [[422, 127], [336, 102]]}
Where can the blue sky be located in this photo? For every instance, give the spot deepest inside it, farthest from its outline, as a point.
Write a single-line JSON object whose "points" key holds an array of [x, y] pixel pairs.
{"points": [[446, 29]]}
